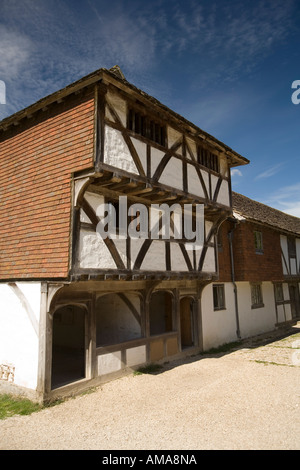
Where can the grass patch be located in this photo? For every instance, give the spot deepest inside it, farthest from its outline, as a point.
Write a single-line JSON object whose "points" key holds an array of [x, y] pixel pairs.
{"points": [[223, 348], [270, 363], [10, 406], [149, 369]]}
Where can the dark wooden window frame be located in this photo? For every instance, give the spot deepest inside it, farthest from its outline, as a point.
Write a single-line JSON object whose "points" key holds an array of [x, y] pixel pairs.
{"points": [[219, 297], [256, 295], [146, 126], [208, 159], [258, 242]]}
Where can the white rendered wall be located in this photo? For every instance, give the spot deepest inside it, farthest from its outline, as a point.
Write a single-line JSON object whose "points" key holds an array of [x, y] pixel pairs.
{"points": [[19, 318], [254, 321], [218, 326]]}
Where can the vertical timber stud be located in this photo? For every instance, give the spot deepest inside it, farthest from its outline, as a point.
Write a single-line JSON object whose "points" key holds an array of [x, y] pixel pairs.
{"points": [[92, 321], [45, 344], [100, 129], [200, 288]]}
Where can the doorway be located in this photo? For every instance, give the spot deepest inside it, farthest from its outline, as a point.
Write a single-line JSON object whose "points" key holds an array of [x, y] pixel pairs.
{"points": [[187, 322], [295, 300], [68, 345]]}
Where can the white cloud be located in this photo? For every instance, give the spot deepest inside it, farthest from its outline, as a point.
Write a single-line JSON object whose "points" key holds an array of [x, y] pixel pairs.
{"points": [[236, 172], [270, 172], [15, 49], [286, 199]]}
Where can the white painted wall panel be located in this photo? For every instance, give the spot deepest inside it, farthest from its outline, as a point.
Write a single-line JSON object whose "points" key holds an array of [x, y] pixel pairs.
{"points": [[223, 197], [177, 260], [135, 356], [93, 252], [172, 174], [155, 259], [192, 147], [254, 321], [108, 363], [18, 339], [219, 326], [156, 158], [116, 152], [141, 149], [194, 185], [223, 166], [173, 136], [119, 106], [209, 262]]}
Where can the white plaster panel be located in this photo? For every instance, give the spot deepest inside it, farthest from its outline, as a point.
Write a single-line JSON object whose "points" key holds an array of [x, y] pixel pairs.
{"points": [[136, 245], [281, 312], [194, 185], [177, 260], [219, 326], [214, 181], [95, 200], [193, 148], [209, 261], [286, 294], [205, 179], [172, 174], [18, 340], [256, 320], [93, 252], [119, 105], [116, 152], [156, 158], [141, 149], [155, 259], [223, 166], [136, 356], [223, 196], [108, 363], [173, 136], [293, 266], [120, 244]]}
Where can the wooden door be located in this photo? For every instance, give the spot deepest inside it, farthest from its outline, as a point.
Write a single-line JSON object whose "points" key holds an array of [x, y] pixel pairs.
{"points": [[186, 322], [295, 300]]}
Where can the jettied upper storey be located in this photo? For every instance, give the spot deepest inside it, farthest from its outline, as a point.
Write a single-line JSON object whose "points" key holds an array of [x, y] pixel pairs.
{"points": [[93, 141]]}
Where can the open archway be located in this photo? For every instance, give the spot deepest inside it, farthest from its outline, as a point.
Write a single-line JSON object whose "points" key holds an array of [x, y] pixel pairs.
{"points": [[68, 345]]}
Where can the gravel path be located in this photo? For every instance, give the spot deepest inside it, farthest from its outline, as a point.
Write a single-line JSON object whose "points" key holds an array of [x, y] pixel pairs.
{"points": [[246, 399]]}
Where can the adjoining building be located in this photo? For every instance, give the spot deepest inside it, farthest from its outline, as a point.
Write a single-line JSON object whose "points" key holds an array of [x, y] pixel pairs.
{"points": [[77, 308], [259, 274]]}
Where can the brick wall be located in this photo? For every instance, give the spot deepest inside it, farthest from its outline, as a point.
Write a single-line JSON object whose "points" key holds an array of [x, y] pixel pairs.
{"points": [[224, 253], [248, 265], [37, 158]]}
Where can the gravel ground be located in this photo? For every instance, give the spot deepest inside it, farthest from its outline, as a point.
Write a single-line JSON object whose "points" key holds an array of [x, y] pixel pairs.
{"points": [[246, 399]]}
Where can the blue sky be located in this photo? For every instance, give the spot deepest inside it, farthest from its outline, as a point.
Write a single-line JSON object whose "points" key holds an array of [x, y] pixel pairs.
{"points": [[227, 66]]}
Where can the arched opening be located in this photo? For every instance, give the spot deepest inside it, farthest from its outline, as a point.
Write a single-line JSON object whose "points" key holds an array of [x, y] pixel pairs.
{"points": [[68, 345], [161, 313], [187, 322], [118, 318]]}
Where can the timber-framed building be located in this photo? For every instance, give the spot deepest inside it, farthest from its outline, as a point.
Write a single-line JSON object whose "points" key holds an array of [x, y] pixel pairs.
{"points": [[77, 309]]}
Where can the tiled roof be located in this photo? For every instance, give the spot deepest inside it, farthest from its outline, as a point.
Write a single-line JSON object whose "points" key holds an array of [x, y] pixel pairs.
{"points": [[256, 211]]}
